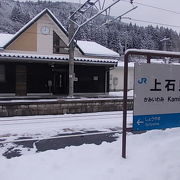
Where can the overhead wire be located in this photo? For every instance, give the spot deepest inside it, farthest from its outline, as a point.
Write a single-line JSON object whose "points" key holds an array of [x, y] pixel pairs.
{"points": [[159, 8], [154, 7], [157, 23]]}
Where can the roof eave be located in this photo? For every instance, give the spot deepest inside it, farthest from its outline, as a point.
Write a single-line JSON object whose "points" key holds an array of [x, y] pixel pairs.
{"points": [[52, 60]]}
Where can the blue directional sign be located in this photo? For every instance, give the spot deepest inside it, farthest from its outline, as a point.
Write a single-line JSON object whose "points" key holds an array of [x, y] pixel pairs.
{"points": [[161, 121], [156, 96]]}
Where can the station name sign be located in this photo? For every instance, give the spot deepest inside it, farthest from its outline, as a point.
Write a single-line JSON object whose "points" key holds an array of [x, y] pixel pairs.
{"points": [[156, 96]]}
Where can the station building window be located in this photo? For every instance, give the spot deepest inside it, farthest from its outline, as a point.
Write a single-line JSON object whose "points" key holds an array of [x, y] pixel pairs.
{"points": [[59, 47]]}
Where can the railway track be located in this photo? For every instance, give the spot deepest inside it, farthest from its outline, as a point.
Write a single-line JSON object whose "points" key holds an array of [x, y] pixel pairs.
{"points": [[60, 118], [58, 131]]}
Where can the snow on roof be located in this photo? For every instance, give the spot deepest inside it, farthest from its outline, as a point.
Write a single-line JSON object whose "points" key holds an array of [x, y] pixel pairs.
{"points": [[4, 38], [54, 58], [94, 49]]}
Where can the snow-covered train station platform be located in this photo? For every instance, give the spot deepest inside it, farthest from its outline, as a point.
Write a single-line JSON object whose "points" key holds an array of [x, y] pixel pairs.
{"points": [[53, 105]]}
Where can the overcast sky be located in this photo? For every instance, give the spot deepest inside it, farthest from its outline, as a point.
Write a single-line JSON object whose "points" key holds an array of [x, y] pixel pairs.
{"points": [[146, 13]]}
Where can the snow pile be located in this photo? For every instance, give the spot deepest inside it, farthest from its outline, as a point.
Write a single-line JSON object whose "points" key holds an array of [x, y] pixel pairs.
{"points": [[151, 156]]}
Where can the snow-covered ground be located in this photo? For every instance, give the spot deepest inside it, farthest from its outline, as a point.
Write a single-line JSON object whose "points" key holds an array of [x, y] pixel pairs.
{"points": [[49, 125], [153, 155]]}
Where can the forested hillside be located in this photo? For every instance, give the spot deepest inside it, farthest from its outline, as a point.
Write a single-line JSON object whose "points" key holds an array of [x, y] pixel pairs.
{"points": [[116, 36]]}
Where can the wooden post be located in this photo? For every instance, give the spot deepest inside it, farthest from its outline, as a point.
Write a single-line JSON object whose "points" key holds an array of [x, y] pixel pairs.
{"points": [[21, 80]]}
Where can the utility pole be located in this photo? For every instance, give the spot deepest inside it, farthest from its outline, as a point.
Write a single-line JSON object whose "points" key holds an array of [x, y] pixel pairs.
{"points": [[81, 17], [71, 56], [86, 7]]}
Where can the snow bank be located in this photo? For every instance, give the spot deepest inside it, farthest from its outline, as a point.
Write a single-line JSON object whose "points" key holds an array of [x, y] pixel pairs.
{"points": [[151, 156]]}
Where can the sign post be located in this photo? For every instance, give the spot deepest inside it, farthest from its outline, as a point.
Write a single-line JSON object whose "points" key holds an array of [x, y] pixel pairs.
{"points": [[156, 93], [156, 96]]}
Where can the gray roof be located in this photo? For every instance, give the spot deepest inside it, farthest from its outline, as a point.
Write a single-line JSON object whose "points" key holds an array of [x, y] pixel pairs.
{"points": [[16, 57]]}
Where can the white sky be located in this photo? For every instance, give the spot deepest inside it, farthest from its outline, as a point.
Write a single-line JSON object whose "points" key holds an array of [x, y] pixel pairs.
{"points": [[146, 13]]}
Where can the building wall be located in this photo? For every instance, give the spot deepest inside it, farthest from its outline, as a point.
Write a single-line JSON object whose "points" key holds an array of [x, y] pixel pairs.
{"points": [[27, 41], [117, 78], [90, 79], [34, 41], [37, 78], [44, 78], [9, 82], [44, 41], [30, 78]]}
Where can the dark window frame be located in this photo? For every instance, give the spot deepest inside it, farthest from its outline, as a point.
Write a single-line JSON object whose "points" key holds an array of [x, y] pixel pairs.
{"points": [[59, 46]]}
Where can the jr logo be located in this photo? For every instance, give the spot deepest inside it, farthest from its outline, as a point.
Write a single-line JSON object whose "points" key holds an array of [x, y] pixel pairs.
{"points": [[142, 81]]}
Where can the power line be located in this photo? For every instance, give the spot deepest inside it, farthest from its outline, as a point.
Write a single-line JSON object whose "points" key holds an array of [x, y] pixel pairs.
{"points": [[157, 23], [154, 7], [119, 17], [159, 8]]}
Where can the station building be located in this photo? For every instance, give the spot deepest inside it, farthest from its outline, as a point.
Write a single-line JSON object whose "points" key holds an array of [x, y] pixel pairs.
{"points": [[35, 61]]}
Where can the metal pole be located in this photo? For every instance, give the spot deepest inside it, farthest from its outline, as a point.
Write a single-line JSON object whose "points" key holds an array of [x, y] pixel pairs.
{"points": [[106, 79], [71, 56], [142, 52], [148, 59], [91, 18], [125, 105]]}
